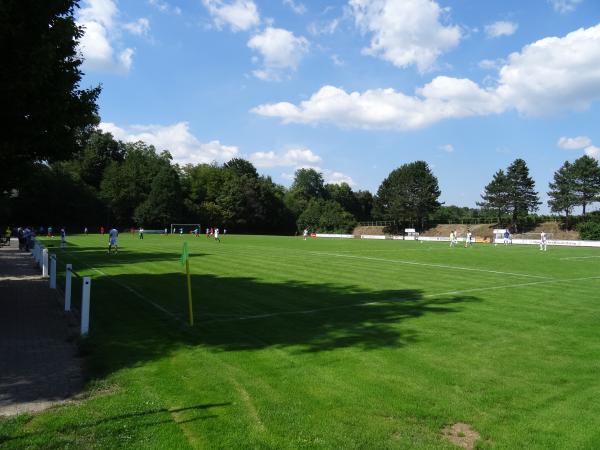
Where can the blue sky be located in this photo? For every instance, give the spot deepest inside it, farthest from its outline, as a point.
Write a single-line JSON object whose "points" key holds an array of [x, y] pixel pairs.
{"points": [[354, 88]]}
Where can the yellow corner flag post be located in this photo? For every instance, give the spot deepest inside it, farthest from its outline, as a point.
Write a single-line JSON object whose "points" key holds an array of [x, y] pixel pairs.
{"points": [[185, 259]]}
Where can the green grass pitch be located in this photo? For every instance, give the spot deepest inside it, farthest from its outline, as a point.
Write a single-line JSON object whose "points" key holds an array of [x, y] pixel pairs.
{"points": [[330, 344]]}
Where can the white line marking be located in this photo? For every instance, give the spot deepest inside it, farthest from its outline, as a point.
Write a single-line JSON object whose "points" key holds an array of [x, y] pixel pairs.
{"points": [[579, 257], [380, 302], [441, 266]]}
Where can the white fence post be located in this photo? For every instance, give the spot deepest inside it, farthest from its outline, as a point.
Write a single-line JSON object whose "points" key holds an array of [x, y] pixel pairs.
{"points": [[85, 305], [68, 275], [45, 263], [52, 271], [36, 252]]}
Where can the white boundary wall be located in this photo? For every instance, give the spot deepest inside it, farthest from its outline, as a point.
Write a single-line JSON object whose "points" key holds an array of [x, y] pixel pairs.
{"points": [[559, 242]]}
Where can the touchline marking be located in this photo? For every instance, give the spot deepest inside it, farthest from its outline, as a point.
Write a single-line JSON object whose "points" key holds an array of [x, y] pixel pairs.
{"points": [[380, 302], [579, 257], [133, 291], [442, 266]]}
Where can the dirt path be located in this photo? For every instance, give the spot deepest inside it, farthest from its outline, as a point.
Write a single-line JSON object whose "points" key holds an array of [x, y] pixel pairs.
{"points": [[38, 365]]}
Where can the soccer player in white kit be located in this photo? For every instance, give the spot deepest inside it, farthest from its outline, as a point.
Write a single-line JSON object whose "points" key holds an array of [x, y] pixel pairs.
{"points": [[305, 233], [217, 235], [452, 239], [543, 241], [468, 239]]}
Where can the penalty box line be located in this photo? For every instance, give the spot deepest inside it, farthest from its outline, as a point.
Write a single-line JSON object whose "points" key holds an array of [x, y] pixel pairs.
{"points": [[440, 266], [381, 302]]}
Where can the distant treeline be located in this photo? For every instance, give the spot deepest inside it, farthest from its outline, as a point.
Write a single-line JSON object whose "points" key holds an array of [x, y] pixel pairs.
{"points": [[112, 183]]}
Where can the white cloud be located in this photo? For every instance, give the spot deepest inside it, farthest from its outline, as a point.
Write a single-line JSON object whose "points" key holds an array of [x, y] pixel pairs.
{"points": [[448, 148], [296, 157], [574, 143], [280, 51], [165, 7], [240, 15], [333, 177], [554, 74], [564, 6], [551, 75], [489, 64], [337, 60], [443, 98], [501, 28], [298, 8], [593, 151], [407, 32], [327, 27], [97, 45], [140, 27], [183, 145]]}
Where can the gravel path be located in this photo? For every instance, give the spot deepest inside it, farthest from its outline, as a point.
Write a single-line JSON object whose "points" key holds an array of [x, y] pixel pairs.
{"points": [[38, 364]]}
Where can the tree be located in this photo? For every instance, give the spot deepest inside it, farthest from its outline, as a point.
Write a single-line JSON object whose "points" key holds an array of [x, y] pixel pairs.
{"points": [[586, 181], [409, 194], [126, 184], [343, 194], [163, 204], [241, 167], [522, 197], [512, 192], [45, 115], [364, 199], [562, 191], [308, 184], [495, 195], [326, 216]]}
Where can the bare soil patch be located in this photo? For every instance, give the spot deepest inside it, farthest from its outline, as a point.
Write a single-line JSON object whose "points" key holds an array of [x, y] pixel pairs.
{"points": [[461, 434]]}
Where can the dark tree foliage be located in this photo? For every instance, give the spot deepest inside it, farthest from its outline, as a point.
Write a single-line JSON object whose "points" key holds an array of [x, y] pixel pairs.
{"points": [[45, 114], [308, 184], [562, 191], [53, 196], [241, 167], [586, 174], [511, 192], [126, 184], [163, 205], [326, 216], [408, 195], [343, 194], [364, 200], [523, 197], [496, 194]]}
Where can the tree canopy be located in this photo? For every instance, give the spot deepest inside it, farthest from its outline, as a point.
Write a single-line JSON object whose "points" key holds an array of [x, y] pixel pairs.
{"points": [[45, 113], [408, 195]]}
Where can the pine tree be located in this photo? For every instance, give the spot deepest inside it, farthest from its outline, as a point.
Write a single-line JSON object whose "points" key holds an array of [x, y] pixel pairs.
{"points": [[587, 181], [562, 191], [522, 197], [495, 196]]}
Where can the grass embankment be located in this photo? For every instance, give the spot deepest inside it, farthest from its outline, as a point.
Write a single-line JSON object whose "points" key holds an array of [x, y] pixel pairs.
{"points": [[331, 344]]}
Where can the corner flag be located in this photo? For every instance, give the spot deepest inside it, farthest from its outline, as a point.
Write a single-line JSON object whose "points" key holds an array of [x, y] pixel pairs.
{"points": [[185, 254], [185, 261]]}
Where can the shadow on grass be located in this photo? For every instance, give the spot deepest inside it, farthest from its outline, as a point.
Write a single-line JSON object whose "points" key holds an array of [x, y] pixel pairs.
{"points": [[128, 326], [137, 419]]}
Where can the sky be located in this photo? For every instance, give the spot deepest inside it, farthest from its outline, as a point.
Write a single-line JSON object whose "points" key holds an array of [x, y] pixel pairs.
{"points": [[353, 88]]}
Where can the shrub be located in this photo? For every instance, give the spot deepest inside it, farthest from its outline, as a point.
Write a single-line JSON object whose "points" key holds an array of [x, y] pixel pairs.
{"points": [[589, 230]]}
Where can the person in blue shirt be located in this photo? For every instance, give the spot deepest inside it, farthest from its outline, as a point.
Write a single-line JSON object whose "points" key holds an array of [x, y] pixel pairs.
{"points": [[113, 244]]}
